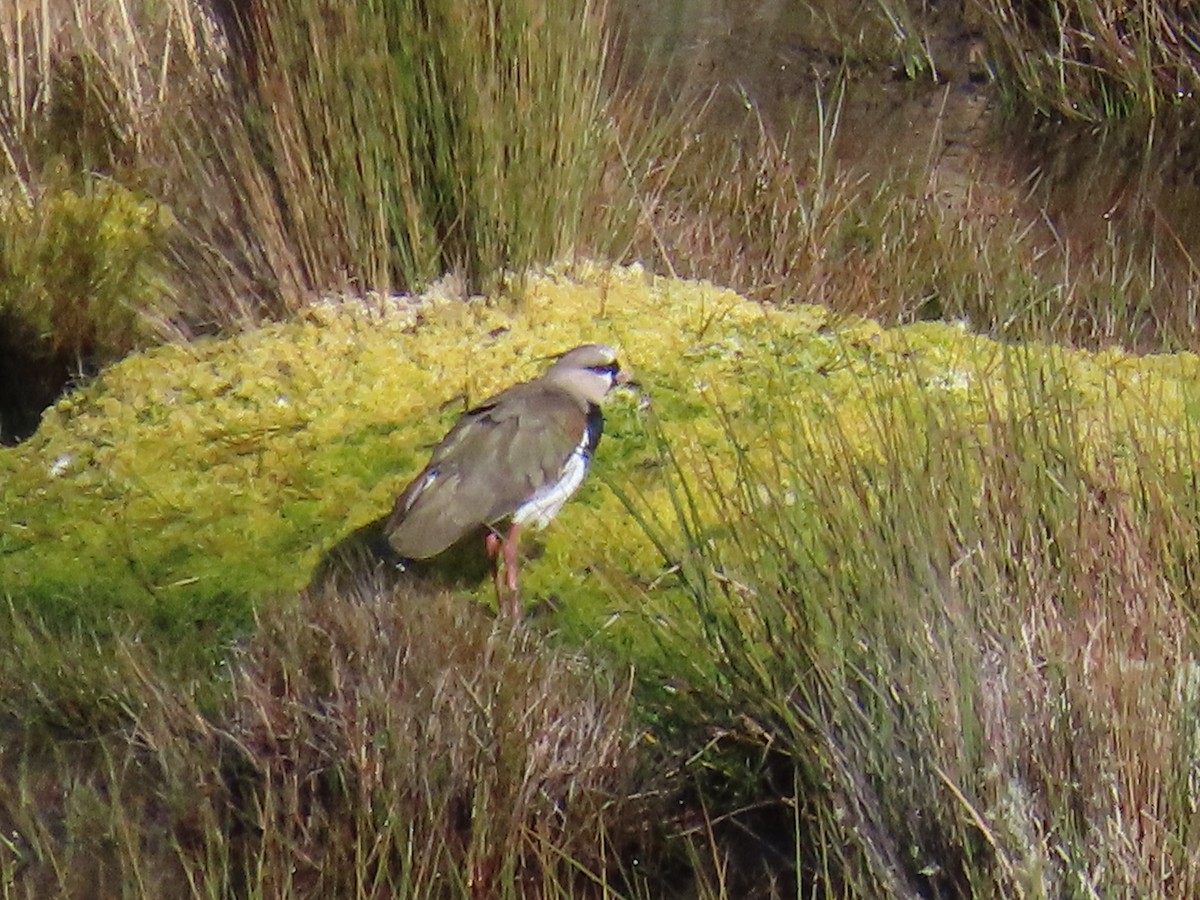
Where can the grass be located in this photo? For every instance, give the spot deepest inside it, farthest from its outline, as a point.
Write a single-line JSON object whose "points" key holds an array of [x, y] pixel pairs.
{"points": [[369, 743], [970, 652], [778, 218], [1094, 61], [446, 139], [85, 269], [931, 637], [421, 141], [828, 433], [1086, 60]]}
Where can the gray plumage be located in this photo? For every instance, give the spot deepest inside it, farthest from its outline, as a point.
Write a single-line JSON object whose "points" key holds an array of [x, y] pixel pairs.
{"points": [[515, 457]]}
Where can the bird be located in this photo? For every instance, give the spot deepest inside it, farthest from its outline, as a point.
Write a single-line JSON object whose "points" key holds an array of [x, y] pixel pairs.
{"points": [[512, 461]]}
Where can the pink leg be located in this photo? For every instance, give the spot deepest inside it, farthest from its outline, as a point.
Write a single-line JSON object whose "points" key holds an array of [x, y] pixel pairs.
{"points": [[510, 556], [508, 597], [511, 543]]}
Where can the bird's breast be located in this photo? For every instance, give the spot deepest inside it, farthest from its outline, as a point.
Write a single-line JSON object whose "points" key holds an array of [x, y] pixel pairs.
{"points": [[546, 502]]}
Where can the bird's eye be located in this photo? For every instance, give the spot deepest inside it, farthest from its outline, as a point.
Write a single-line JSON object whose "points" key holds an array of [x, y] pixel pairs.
{"points": [[611, 368]]}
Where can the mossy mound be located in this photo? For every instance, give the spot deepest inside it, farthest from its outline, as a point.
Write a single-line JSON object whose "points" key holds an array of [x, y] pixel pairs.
{"points": [[188, 483]]}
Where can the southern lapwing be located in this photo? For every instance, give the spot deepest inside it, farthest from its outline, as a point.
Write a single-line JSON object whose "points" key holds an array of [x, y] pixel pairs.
{"points": [[511, 461]]}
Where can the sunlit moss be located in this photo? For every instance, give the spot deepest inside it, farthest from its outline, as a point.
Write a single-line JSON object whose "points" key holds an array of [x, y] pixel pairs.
{"points": [[83, 267], [189, 481]]}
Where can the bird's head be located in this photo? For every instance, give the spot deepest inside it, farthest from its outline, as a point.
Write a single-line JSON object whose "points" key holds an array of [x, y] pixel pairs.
{"points": [[590, 372]]}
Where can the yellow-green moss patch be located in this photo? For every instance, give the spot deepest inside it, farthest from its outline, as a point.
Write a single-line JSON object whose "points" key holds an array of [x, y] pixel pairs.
{"points": [[189, 482], [82, 267]]}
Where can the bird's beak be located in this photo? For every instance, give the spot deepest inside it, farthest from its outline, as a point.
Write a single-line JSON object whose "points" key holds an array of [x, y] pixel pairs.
{"points": [[624, 378]]}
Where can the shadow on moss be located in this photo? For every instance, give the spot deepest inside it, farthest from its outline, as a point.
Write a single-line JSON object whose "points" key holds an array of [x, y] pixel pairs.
{"points": [[365, 552]]}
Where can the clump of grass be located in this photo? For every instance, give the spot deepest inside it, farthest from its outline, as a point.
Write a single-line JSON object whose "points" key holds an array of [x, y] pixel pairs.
{"points": [[508, 760], [83, 281], [369, 743], [450, 137], [959, 662], [1094, 60]]}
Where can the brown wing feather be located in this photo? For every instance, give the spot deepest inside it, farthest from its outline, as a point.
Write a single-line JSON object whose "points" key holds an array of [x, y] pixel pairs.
{"points": [[493, 459]]}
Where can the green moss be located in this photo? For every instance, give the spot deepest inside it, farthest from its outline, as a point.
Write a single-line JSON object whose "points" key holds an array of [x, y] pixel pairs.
{"points": [[84, 267], [187, 483]]}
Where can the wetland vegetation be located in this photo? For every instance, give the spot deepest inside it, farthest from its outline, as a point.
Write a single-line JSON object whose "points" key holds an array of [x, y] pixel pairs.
{"points": [[886, 588]]}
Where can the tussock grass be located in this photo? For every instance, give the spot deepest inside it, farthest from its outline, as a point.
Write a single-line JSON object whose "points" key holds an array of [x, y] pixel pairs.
{"points": [[965, 663], [1094, 60], [454, 137], [778, 217], [367, 744]]}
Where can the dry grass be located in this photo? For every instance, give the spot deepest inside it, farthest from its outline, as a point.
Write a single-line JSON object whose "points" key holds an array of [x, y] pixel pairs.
{"points": [[97, 83], [779, 218], [1094, 59], [372, 744], [975, 657]]}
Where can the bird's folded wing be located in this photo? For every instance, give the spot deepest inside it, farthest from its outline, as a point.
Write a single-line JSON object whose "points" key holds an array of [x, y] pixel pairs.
{"points": [[494, 459]]}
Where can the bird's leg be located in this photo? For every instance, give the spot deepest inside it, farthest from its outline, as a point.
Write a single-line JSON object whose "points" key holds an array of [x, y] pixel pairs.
{"points": [[510, 557], [508, 592], [492, 543], [511, 542]]}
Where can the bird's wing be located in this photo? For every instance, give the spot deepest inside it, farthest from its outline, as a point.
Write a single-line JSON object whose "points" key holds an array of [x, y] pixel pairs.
{"points": [[494, 458]]}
